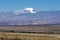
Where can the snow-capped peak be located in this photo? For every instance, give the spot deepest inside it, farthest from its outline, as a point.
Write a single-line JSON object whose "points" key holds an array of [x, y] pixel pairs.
{"points": [[30, 10]]}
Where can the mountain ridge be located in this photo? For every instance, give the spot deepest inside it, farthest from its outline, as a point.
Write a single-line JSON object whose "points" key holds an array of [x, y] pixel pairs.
{"points": [[30, 16]]}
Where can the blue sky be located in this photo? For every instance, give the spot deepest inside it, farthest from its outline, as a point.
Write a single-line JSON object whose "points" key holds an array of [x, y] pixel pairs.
{"points": [[9, 5]]}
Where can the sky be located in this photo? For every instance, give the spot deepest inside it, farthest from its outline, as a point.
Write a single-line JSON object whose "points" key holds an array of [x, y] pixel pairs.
{"points": [[42, 5]]}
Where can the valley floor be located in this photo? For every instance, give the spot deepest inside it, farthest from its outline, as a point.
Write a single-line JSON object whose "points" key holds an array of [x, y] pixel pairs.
{"points": [[30, 32]]}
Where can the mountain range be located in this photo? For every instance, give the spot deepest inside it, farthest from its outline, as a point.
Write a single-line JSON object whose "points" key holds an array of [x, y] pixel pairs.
{"points": [[29, 16]]}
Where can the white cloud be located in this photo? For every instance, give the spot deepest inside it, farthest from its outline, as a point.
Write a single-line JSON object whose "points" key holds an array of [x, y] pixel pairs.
{"points": [[26, 10], [30, 10]]}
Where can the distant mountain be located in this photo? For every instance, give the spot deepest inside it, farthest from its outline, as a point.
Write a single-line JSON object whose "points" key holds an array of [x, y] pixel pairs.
{"points": [[30, 16]]}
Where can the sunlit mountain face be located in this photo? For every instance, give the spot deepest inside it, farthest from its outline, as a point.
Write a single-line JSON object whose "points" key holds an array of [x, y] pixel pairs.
{"points": [[30, 16]]}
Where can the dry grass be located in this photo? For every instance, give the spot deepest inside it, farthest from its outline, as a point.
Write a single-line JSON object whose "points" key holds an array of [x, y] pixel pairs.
{"points": [[26, 36]]}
